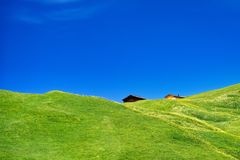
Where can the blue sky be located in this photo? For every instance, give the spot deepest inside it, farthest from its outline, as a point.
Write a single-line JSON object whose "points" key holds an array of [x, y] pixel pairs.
{"points": [[112, 48]]}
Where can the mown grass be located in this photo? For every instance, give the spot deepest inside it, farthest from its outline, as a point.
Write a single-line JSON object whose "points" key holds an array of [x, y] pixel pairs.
{"points": [[63, 126]]}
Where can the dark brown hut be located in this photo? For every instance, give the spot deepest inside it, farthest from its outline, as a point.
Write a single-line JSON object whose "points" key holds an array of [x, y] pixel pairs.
{"points": [[132, 98], [172, 96]]}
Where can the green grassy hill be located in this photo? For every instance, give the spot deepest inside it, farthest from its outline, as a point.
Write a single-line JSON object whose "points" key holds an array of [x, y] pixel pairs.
{"points": [[63, 126]]}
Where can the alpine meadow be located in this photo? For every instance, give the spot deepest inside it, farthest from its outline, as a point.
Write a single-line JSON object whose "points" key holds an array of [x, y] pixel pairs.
{"points": [[119, 79], [63, 126]]}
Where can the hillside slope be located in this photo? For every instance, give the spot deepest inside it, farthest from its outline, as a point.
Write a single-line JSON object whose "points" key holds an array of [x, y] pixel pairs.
{"points": [[212, 117], [63, 126]]}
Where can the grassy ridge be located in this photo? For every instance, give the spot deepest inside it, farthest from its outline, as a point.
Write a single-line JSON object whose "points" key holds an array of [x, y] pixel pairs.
{"points": [[213, 117], [63, 126]]}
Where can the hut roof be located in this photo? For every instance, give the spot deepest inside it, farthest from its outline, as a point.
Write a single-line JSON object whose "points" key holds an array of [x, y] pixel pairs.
{"points": [[133, 97], [172, 95]]}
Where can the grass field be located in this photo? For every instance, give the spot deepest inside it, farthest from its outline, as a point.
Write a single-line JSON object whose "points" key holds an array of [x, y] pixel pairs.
{"points": [[63, 126]]}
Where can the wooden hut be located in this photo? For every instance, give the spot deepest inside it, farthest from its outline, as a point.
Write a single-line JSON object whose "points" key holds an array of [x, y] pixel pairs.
{"points": [[132, 98], [172, 96]]}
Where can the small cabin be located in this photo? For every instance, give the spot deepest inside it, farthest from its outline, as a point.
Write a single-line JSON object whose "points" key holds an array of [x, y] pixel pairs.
{"points": [[172, 96], [132, 98]]}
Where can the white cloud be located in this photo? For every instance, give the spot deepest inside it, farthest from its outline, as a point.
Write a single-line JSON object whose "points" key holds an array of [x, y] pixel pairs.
{"points": [[54, 1], [43, 13], [29, 19], [74, 13]]}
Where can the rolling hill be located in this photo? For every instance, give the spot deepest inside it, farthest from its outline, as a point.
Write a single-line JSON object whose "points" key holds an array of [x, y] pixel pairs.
{"points": [[63, 126]]}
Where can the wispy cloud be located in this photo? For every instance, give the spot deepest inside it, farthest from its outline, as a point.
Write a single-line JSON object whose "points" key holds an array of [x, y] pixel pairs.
{"points": [[74, 13], [58, 10], [29, 19], [54, 1]]}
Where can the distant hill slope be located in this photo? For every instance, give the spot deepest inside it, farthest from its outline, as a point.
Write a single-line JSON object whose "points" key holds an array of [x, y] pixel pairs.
{"points": [[63, 126]]}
